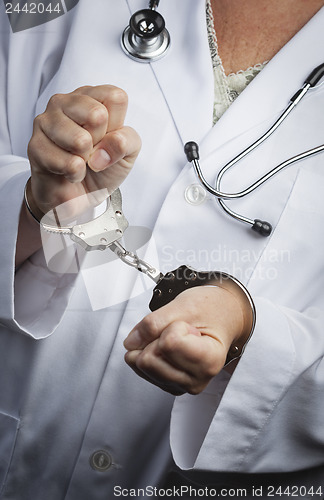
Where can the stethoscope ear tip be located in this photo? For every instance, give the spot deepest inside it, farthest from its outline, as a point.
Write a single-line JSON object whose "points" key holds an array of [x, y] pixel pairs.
{"points": [[262, 227], [191, 150]]}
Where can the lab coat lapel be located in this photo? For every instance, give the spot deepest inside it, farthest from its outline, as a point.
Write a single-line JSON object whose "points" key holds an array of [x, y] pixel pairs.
{"points": [[269, 93], [187, 69], [185, 74]]}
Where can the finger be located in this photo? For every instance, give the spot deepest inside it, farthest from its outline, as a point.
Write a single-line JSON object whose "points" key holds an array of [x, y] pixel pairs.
{"points": [[154, 323], [202, 307], [113, 98], [117, 147], [150, 365], [47, 158], [88, 113], [65, 133], [187, 349], [130, 360]]}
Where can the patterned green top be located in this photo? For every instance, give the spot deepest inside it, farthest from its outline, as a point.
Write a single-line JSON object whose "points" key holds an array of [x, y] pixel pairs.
{"points": [[227, 87]]}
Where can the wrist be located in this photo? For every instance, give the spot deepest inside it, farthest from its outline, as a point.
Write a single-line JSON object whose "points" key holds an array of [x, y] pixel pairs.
{"points": [[28, 237], [30, 204], [245, 303]]}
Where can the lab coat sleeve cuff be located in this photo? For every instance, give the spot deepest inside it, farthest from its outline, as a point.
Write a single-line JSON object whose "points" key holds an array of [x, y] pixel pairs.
{"points": [[217, 429], [33, 300]]}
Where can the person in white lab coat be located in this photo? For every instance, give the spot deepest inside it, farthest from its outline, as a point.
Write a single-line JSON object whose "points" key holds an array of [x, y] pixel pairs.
{"points": [[75, 421]]}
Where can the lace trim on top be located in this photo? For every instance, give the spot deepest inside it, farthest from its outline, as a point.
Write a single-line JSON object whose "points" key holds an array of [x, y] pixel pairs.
{"points": [[227, 88]]}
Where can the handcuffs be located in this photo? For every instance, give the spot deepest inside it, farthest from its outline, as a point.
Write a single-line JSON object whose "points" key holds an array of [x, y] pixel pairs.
{"points": [[107, 229]]}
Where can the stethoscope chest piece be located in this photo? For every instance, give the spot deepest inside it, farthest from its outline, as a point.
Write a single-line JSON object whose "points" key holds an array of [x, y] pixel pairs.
{"points": [[146, 39]]}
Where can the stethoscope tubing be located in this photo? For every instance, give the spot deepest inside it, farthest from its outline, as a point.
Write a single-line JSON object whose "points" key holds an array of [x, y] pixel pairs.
{"points": [[146, 39], [293, 103], [240, 194], [220, 195], [266, 177]]}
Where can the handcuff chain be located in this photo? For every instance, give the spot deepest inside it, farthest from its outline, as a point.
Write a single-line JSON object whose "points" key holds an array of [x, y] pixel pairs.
{"points": [[132, 260]]}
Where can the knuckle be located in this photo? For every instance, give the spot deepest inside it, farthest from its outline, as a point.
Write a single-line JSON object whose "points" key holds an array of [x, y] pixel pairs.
{"points": [[81, 142], [194, 390], [211, 371], [73, 166], [172, 340], [143, 361], [168, 343], [32, 145], [118, 143], [39, 119], [98, 116], [56, 100], [31, 150], [150, 326], [35, 147], [84, 89], [118, 96]]}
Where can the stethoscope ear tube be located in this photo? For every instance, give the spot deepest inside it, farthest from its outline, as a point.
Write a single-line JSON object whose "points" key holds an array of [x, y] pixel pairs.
{"points": [[262, 227], [191, 150], [315, 76]]}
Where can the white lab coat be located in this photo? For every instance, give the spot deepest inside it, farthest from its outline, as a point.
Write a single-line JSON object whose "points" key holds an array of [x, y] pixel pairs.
{"points": [[65, 389]]}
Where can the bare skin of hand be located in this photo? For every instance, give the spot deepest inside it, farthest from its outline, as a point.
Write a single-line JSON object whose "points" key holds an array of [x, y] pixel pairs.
{"points": [[183, 345], [85, 127], [79, 146]]}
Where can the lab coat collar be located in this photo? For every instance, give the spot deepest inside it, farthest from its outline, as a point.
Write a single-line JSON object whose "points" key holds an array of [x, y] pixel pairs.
{"points": [[270, 92], [186, 70], [185, 74]]}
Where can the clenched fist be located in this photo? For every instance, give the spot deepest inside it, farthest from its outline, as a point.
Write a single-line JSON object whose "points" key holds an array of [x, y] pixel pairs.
{"points": [[80, 145], [183, 345]]}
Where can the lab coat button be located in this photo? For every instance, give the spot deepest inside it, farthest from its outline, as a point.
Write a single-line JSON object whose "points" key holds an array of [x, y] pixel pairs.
{"points": [[100, 460], [195, 194]]}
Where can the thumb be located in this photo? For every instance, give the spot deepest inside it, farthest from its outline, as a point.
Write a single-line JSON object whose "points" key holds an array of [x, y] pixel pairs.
{"points": [[119, 146]]}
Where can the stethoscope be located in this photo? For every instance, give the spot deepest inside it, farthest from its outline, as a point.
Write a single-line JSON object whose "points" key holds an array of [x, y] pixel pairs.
{"points": [[145, 40]]}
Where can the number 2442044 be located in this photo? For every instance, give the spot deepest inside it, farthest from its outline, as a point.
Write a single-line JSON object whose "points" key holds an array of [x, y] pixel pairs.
{"points": [[34, 8]]}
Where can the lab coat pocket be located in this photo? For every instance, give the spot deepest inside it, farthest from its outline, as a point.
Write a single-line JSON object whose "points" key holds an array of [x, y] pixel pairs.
{"points": [[8, 432]]}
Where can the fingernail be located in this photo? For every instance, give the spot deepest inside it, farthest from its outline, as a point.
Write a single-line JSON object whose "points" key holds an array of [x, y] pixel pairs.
{"points": [[99, 160], [133, 341]]}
